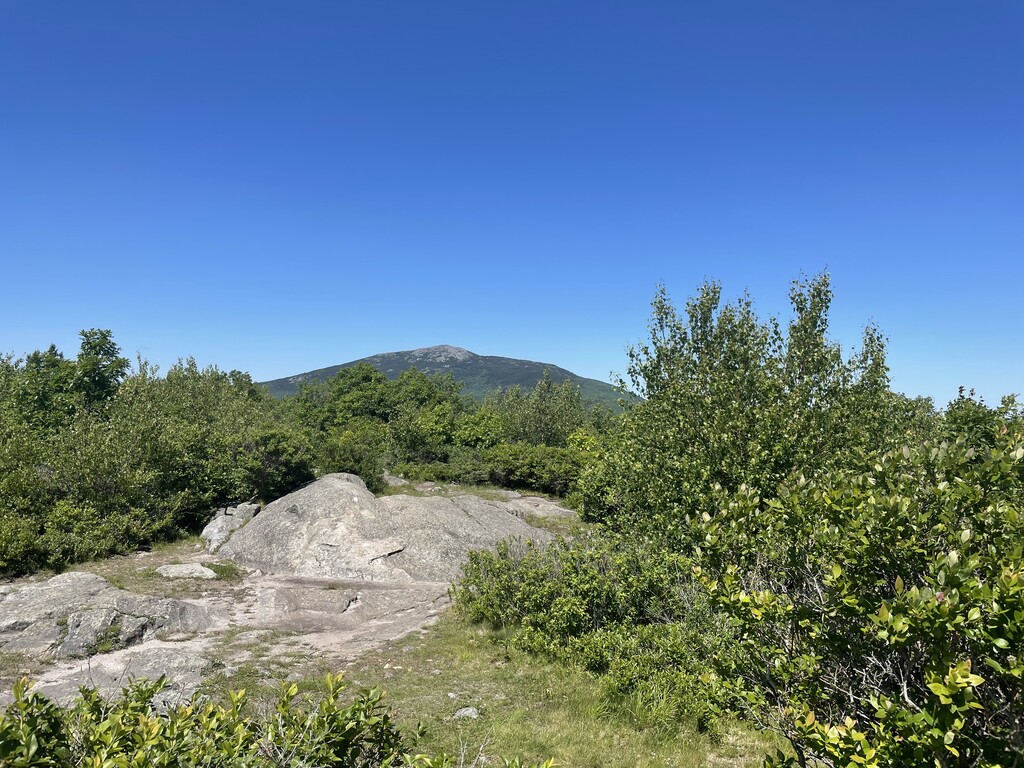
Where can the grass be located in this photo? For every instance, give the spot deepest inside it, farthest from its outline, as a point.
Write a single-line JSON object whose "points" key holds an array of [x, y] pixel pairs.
{"points": [[109, 640], [137, 572], [258, 661], [528, 707], [567, 526], [15, 665], [226, 571]]}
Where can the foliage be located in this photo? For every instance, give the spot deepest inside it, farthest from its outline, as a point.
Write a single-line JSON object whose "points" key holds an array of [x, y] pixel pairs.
{"points": [[359, 449], [73, 533], [96, 460], [730, 400], [537, 707], [534, 467], [880, 615], [863, 552], [546, 415], [421, 426], [134, 731], [610, 606]]}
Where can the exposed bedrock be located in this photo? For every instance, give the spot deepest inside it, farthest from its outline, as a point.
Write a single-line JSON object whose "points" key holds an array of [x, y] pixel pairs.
{"points": [[335, 528]]}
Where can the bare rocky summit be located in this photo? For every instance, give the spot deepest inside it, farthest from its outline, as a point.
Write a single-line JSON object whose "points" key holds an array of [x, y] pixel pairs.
{"points": [[331, 571], [335, 528]]}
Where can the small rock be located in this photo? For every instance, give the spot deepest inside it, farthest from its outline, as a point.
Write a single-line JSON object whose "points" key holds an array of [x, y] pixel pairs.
{"points": [[186, 571], [467, 712], [453, 696]]}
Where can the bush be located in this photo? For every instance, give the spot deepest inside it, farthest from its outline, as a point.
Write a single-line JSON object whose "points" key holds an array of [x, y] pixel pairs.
{"points": [[20, 550], [272, 462], [358, 449], [732, 400], [880, 615], [74, 533], [612, 607], [534, 467], [135, 731]]}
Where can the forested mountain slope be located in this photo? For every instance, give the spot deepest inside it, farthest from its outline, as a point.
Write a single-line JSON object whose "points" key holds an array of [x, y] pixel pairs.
{"points": [[479, 374]]}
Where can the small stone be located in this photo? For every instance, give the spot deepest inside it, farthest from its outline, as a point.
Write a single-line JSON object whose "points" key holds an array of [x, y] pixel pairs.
{"points": [[467, 712]]}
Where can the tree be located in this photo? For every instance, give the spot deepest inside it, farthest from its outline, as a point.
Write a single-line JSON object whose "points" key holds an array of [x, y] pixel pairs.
{"points": [[546, 415], [99, 367], [729, 400]]}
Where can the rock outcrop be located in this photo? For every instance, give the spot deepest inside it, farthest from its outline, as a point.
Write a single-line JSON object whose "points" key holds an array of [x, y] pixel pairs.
{"points": [[331, 571], [225, 522], [335, 528], [78, 614]]}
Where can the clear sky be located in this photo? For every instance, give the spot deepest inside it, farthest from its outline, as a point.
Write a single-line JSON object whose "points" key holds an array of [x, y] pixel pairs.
{"points": [[281, 186]]}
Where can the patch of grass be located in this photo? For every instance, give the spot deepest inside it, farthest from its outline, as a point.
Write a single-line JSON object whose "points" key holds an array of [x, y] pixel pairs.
{"points": [[15, 665], [185, 546], [226, 570], [109, 640], [568, 526], [137, 572], [258, 661], [528, 707]]}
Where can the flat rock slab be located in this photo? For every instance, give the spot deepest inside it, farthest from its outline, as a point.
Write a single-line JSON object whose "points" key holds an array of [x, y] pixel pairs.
{"points": [[110, 672], [76, 614], [345, 618], [186, 571], [335, 528]]}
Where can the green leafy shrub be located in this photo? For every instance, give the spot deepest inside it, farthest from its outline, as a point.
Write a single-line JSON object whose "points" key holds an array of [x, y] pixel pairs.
{"points": [[732, 400], [95, 460], [611, 606], [880, 614], [358, 449], [569, 588], [534, 467], [546, 415], [134, 731], [74, 533], [20, 549], [272, 462]]}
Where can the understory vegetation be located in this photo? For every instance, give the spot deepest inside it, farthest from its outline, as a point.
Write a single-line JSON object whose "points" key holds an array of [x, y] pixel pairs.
{"points": [[100, 458], [134, 730], [770, 532], [421, 427], [535, 707], [781, 537]]}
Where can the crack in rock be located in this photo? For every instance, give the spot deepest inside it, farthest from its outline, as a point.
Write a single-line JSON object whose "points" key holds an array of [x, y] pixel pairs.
{"points": [[387, 554]]}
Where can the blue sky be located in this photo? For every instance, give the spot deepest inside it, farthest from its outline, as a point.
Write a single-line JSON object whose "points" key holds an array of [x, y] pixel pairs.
{"points": [[278, 186]]}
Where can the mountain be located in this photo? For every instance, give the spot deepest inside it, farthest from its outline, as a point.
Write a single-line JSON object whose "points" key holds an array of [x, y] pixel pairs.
{"points": [[479, 374]]}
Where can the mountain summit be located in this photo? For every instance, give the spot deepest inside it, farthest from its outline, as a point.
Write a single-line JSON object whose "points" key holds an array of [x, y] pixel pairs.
{"points": [[479, 374]]}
